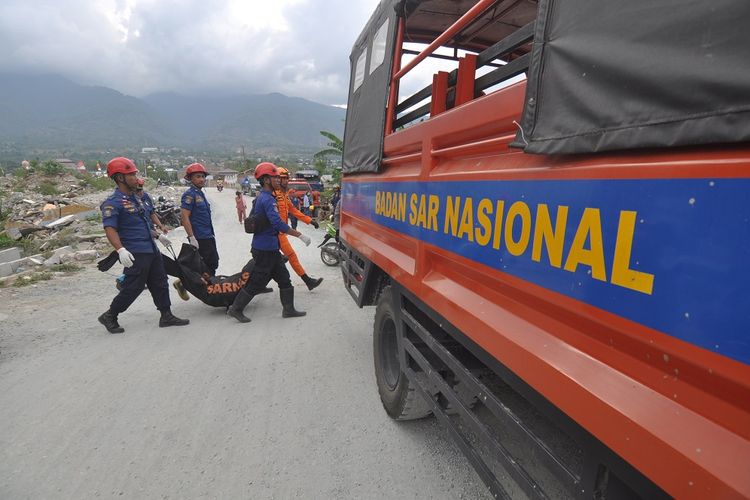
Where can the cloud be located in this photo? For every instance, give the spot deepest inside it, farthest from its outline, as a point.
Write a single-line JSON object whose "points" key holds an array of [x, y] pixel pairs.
{"points": [[296, 47]]}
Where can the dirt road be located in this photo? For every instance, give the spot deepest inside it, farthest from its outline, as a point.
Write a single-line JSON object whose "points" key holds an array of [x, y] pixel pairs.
{"points": [[277, 408]]}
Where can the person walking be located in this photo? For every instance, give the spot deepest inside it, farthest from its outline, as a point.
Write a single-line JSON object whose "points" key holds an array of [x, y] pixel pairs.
{"points": [[265, 249], [196, 217], [306, 203], [239, 200], [295, 204], [286, 211], [128, 229]]}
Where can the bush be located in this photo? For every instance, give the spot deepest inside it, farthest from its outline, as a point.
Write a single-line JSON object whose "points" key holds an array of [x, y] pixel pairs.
{"points": [[48, 189], [51, 167], [32, 278], [6, 241], [99, 183]]}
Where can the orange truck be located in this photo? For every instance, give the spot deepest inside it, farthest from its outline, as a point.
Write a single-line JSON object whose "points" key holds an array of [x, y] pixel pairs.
{"points": [[550, 215]]}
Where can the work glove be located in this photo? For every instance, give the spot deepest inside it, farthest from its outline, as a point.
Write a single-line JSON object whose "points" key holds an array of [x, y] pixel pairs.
{"points": [[314, 224], [165, 241], [126, 258], [193, 241], [305, 239]]}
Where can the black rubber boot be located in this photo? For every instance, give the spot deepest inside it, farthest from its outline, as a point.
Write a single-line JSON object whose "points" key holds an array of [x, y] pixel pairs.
{"points": [[267, 289], [311, 282], [287, 301], [240, 301], [169, 319], [109, 320]]}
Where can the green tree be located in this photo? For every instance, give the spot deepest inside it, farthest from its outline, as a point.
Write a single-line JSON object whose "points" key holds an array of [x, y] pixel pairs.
{"points": [[335, 146]]}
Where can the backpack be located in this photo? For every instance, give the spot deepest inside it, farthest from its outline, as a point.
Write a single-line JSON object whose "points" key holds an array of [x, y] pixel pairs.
{"points": [[256, 223]]}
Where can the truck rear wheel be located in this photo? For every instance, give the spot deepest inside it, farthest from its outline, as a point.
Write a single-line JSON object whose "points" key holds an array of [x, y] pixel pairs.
{"points": [[397, 392]]}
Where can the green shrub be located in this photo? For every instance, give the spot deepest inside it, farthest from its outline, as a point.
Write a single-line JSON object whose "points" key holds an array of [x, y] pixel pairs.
{"points": [[32, 278], [51, 167], [6, 241], [66, 268], [48, 189]]}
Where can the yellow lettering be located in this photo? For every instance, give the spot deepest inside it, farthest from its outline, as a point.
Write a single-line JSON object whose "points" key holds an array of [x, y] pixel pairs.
{"points": [[433, 212], [518, 210], [590, 228], [621, 273], [422, 216], [402, 207], [553, 239], [413, 209], [498, 224], [451, 215], [377, 202], [467, 220], [484, 232]]}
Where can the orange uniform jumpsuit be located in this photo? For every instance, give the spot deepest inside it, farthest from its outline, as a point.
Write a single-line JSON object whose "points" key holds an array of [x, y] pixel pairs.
{"points": [[285, 206]]}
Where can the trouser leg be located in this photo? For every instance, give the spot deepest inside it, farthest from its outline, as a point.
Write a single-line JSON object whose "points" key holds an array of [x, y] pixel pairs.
{"points": [[135, 279], [209, 254], [288, 250], [158, 284]]}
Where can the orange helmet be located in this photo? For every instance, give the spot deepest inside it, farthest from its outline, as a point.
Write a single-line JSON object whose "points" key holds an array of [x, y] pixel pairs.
{"points": [[195, 168], [266, 168], [283, 172], [120, 165]]}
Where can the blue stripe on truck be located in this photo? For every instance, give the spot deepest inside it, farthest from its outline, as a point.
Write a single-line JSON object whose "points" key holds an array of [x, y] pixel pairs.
{"points": [[673, 255]]}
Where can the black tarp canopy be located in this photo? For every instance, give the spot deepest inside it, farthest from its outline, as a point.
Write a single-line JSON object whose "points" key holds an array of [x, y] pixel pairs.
{"points": [[613, 75]]}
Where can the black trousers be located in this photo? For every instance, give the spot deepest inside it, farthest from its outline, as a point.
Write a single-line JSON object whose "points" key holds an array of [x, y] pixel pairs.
{"points": [[268, 266], [147, 269], [209, 254]]}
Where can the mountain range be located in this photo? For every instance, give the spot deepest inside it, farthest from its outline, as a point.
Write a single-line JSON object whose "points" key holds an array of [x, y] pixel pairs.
{"points": [[51, 112]]}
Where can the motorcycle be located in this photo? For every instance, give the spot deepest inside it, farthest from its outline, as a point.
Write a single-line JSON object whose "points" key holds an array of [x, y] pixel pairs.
{"points": [[329, 250], [168, 213]]}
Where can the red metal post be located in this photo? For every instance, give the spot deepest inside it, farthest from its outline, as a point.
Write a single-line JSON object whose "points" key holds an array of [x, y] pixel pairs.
{"points": [[439, 93]]}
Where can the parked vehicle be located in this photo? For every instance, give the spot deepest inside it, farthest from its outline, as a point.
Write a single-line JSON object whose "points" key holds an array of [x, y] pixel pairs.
{"points": [[311, 176], [329, 247], [559, 265], [298, 188], [167, 212]]}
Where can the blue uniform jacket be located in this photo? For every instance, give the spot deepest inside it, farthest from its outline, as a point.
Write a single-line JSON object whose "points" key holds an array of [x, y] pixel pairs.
{"points": [[127, 215], [200, 213], [268, 239]]}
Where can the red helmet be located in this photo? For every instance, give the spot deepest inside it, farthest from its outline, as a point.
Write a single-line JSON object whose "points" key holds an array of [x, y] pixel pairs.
{"points": [[120, 165], [282, 172], [266, 168], [195, 168]]}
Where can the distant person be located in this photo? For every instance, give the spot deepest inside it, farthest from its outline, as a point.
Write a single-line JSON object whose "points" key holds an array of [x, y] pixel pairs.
{"points": [[265, 250], [129, 231], [287, 210], [196, 217], [239, 201], [306, 203], [295, 203], [336, 197]]}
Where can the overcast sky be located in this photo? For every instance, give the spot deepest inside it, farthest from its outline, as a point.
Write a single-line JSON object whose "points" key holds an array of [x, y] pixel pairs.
{"points": [[296, 47]]}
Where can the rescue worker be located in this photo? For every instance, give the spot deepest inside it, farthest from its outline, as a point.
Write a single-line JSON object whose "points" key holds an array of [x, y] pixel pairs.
{"points": [[128, 229], [265, 250], [196, 217], [287, 209]]}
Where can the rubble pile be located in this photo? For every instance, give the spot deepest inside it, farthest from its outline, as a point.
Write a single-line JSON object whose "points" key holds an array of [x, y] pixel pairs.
{"points": [[47, 230]]}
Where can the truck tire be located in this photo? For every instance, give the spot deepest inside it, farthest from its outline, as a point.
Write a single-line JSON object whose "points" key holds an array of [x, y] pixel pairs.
{"points": [[397, 392]]}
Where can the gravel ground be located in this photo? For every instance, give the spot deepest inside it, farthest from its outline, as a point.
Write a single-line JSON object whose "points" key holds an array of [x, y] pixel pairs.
{"points": [[278, 408]]}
